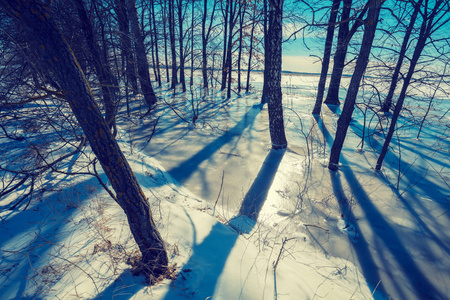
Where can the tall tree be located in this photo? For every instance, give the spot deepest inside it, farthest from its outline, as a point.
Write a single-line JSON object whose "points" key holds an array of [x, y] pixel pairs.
{"points": [[370, 26], [102, 68], [273, 64], [206, 32], [60, 61], [142, 62], [125, 42], [344, 36], [433, 18], [266, 50], [225, 13], [401, 56], [326, 56], [171, 18], [181, 12]]}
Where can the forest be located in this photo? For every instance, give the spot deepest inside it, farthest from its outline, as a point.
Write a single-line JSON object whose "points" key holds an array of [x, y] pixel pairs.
{"points": [[173, 149]]}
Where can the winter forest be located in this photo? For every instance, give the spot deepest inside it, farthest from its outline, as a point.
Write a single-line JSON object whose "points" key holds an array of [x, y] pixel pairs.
{"points": [[224, 149]]}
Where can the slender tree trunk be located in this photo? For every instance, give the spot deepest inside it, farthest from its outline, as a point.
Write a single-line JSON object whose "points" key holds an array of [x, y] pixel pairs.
{"points": [[165, 17], [361, 64], [158, 66], [225, 44], [126, 44], [191, 81], [204, 44], [180, 43], [143, 68], [102, 68], [172, 43], [388, 101], [266, 52], [421, 42], [326, 57], [247, 87], [60, 60], [274, 95], [229, 61], [242, 9]]}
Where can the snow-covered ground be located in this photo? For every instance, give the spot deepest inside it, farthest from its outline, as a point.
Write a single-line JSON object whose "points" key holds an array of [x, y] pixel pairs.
{"points": [[351, 234]]}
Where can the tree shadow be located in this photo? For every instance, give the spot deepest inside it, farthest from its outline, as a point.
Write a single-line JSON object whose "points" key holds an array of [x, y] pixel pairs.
{"points": [[257, 194], [184, 171], [35, 232], [385, 247]]}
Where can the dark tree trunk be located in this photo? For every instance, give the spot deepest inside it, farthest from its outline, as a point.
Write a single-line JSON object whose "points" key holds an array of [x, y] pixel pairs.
{"points": [[326, 57], [247, 87], [425, 31], [102, 68], [274, 95], [225, 44], [165, 17], [191, 80], [125, 41], [229, 62], [204, 44], [143, 68], [388, 101], [361, 64], [339, 56], [180, 43], [242, 10], [60, 60], [266, 53], [172, 43], [158, 67]]}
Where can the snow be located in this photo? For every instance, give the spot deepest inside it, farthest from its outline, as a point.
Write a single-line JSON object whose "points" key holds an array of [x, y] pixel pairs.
{"points": [[242, 221]]}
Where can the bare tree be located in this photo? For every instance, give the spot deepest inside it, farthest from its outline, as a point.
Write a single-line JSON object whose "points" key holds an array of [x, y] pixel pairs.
{"points": [[370, 26], [273, 56], [60, 61]]}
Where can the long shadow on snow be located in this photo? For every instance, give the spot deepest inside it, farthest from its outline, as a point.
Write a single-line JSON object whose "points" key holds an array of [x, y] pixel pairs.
{"points": [[185, 170], [386, 236], [47, 224], [213, 251], [217, 246]]}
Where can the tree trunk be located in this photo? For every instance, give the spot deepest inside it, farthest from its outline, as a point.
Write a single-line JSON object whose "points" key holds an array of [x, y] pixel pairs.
{"points": [[125, 42], [102, 68], [266, 53], [225, 44], [164, 13], [158, 67], [172, 44], [424, 34], [388, 101], [59, 59], [361, 64], [180, 43], [339, 56], [143, 68], [191, 80], [247, 87], [274, 95], [326, 57]]}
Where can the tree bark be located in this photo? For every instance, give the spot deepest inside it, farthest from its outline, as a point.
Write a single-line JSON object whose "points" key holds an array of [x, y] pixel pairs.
{"points": [[274, 95], [59, 59], [361, 64], [143, 68], [326, 57]]}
